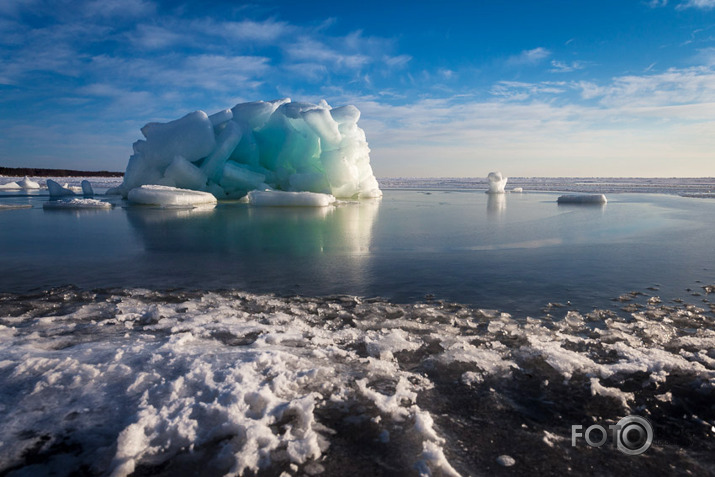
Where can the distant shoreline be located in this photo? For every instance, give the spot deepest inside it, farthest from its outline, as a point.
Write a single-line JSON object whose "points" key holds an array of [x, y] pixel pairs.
{"points": [[37, 172]]}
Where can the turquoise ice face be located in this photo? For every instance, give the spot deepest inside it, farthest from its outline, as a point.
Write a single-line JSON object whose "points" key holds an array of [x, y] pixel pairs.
{"points": [[261, 145]]}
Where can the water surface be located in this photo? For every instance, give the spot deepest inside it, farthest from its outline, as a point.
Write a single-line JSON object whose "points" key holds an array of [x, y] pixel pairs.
{"points": [[513, 252]]}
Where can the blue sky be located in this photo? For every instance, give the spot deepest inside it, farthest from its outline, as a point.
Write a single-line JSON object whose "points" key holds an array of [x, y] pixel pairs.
{"points": [[446, 88]]}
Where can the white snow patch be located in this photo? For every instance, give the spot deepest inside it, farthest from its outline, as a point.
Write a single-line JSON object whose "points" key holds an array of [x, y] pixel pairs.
{"points": [[77, 204]]}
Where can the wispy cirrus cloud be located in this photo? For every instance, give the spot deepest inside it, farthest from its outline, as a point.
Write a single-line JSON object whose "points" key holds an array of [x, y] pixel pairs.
{"points": [[529, 57], [563, 67], [119, 8], [119, 42], [684, 4], [545, 128], [702, 4]]}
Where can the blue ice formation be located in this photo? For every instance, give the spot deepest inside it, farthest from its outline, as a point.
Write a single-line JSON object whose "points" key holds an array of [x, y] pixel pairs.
{"points": [[273, 145]]}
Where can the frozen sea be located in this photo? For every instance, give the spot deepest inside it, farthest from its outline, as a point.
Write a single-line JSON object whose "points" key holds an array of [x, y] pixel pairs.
{"points": [[433, 332]]}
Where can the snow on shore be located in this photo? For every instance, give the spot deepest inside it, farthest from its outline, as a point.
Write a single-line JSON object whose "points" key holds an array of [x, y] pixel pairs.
{"points": [[113, 382]]}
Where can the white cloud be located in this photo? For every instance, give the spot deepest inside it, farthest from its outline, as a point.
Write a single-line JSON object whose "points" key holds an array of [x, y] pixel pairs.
{"points": [[702, 4], [706, 56], [561, 67], [673, 87], [529, 57], [154, 37], [267, 31], [517, 90], [313, 50], [118, 8], [657, 3], [399, 61], [209, 72], [634, 121], [13, 7]]}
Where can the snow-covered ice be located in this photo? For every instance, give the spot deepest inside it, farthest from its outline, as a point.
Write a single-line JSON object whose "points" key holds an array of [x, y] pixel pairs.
{"points": [[24, 184], [274, 198], [284, 145], [169, 196], [77, 203], [15, 206], [113, 382], [496, 183]]}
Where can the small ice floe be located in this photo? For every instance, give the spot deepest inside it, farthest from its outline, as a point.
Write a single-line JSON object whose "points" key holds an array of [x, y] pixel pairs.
{"points": [[517, 190], [586, 199], [57, 190], [276, 198], [24, 184], [166, 196], [77, 203], [496, 183]]}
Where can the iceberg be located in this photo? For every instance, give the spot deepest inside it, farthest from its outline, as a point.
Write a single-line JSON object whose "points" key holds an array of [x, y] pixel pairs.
{"points": [[169, 196], [597, 199], [496, 183], [277, 145]]}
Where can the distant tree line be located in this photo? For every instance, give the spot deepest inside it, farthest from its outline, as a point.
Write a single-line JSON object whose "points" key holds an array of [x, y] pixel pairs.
{"points": [[31, 171]]}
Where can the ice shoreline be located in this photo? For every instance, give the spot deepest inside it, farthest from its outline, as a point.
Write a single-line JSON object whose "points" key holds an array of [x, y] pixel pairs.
{"points": [[232, 381], [698, 187]]}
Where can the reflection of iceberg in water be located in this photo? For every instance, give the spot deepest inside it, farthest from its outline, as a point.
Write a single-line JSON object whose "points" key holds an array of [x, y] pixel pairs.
{"points": [[496, 204], [266, 248], [158, 214], [308, 230]]}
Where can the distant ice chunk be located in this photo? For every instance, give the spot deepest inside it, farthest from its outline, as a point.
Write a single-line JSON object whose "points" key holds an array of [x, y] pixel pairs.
{"points": [[496, 183], [517, 190], [87, 190], [77, 204], [275, 198], [169, 196], [25, 184], [582, 199], [282, 145], [57, 190]]}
